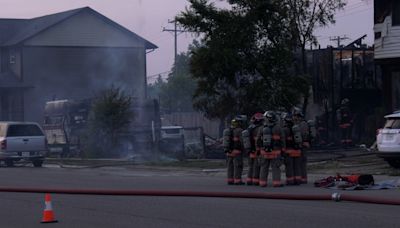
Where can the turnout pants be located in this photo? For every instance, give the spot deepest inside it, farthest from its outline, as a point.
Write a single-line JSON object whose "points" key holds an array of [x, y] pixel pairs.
{"points": [[293, 167], [254, 170], [303, 166], [235, 168], [345, 131], [270, 159]]}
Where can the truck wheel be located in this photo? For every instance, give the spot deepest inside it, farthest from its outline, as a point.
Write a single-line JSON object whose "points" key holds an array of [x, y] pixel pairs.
{"points": [[395, 163], [9, 163], [37, 163]]}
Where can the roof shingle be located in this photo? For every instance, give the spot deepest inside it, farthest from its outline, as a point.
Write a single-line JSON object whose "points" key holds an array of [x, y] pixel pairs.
{"points": [[15, 31]]}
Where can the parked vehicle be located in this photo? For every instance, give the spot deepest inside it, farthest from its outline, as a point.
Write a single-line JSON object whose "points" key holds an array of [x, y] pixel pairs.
{"points": [[172, 141], [388, 140], [66, 121], [22, 141]]}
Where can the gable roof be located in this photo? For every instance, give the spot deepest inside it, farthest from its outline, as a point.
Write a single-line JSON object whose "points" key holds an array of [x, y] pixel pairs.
{"points": [[9, 27], [15, 31]]}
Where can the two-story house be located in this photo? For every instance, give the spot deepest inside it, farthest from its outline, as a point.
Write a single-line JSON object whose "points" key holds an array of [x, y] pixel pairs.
{"points": [[387, 49], [68, 55]]}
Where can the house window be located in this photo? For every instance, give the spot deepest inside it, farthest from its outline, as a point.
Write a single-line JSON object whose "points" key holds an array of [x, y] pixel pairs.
{"points": [[396, 13], [378, 35], [12, 59]]}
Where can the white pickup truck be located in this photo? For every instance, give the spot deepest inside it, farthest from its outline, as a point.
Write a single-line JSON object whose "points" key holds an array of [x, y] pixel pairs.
{"points": [[22, 141]]}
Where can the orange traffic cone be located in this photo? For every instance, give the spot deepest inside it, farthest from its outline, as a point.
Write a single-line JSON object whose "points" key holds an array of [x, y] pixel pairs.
{"points": [[48, 215]]}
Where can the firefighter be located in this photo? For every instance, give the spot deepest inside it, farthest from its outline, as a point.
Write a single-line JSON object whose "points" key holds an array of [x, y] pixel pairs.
{"points": [[270, 155], [304, 128], [252, 142], [345, 122], [292, 152], [233, 147], [243, 121]]}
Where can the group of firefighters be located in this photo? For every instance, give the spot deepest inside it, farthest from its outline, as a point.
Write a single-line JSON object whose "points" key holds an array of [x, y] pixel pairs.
{"points": [[275, 138], [272, 139]]}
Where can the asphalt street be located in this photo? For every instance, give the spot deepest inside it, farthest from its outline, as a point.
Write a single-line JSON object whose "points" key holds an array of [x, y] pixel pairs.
{"points": [[26, 209]]}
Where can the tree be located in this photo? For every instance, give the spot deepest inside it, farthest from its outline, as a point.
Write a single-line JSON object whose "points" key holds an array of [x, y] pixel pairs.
{"points": [[154, 89], [176, 93], [307, 15], [110, 115], [304, 17], [245, 60], [241, 64]]}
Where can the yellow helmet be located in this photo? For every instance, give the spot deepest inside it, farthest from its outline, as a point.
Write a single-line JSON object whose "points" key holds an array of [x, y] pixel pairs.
{"points": [[235, 123]]}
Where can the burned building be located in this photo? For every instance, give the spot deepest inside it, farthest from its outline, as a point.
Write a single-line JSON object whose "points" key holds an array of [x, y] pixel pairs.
{"points": [[347, 72], [68, 55]]}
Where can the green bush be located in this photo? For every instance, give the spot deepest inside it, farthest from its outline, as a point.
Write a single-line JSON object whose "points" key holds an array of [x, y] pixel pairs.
{"points": [[110, 115]]}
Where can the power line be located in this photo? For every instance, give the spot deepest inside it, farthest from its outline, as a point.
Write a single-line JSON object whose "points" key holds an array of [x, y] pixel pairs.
{"points": [[338, 39], [353, 13], [354, 6], [349, 9], [175, 32]]}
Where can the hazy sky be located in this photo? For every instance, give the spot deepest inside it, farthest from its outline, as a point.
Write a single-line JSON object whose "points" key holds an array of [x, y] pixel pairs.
{"points": [[148, 17]]}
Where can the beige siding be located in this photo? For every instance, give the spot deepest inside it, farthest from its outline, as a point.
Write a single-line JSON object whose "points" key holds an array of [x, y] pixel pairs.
{"points": [[388, 46], [85, 29]]}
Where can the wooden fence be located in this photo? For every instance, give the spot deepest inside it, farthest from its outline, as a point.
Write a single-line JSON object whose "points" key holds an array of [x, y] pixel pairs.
{"points": [[192, 119]]}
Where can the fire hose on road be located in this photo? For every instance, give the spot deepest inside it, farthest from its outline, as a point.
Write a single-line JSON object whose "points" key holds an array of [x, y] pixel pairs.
{"points": [[169, 193]]}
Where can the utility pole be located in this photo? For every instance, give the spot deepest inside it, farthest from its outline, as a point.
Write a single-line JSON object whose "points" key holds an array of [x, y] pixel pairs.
{"points": [[338, 39], [175, 32]]}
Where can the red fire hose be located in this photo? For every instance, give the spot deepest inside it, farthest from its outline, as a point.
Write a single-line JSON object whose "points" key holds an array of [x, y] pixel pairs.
{"points": [[335, 196]]}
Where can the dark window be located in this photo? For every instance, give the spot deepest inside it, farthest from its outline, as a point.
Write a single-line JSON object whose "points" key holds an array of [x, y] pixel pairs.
{"points": [[12, 59], [171, 131], [392, 124], [378, 35], [53, 120], [18, 130], [396, 13]]}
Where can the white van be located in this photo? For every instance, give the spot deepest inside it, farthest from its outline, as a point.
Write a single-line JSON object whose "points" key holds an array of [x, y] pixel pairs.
{"points": [[22, 141]]}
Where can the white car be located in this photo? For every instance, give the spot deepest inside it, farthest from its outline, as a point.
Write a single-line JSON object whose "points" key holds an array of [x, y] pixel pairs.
{"points": [[22, 141], [388, 140]]}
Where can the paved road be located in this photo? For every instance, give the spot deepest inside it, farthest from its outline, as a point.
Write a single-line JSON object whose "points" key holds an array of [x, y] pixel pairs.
{"points": [[25, 210]]}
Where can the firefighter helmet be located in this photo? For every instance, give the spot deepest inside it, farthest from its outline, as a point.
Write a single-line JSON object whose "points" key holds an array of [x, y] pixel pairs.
{"points": [[235, 123], [287, 117], [257, 118], [270, 116], [242, 119], [297, 112], [345, 101]]}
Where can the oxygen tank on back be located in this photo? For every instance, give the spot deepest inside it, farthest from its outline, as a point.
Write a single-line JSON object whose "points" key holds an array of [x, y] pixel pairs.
{"points": [[298, 139], [246, 140], [227, 139], [267, 137]]}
